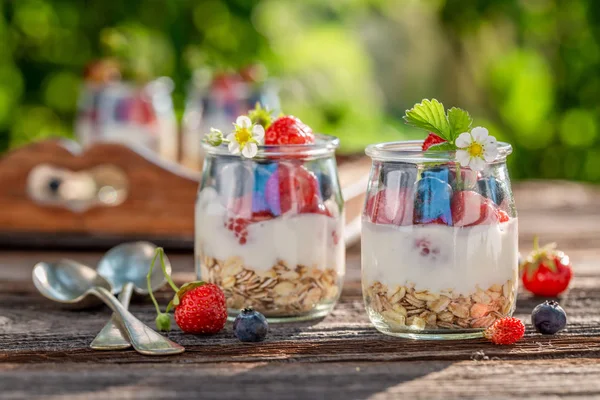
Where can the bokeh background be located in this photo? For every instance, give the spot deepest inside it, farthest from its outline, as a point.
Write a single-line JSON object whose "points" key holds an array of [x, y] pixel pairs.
{"points": [[529, 70]]}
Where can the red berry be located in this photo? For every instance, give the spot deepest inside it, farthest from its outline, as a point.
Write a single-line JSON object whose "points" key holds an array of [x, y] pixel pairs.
{"points": [[391, 207], [470, 208], [507, 330], [288, 130], [239, 226], [546, 272], [431, 140], [202, 310], [292, 188]]}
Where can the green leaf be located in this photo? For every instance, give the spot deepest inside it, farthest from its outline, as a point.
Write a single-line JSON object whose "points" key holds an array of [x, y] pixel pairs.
{"points": [[460, 121], [431, 116], [445, 146]]}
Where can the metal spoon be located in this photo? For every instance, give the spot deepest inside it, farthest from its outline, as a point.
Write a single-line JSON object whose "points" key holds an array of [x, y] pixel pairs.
{"points": [[70, 282], [126, 267]]}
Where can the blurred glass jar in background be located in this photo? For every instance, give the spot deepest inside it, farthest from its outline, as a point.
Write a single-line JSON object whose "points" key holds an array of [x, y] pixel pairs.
{"points": [[113, 110], [269, 230], [217, 100]]}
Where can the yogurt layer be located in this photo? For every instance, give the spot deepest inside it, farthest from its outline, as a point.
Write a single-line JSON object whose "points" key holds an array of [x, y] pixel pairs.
{"points": [[301, 239], [439, 257]]}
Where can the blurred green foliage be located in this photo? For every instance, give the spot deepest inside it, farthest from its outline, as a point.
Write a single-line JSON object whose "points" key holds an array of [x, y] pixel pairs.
{"points": [[529, 70]]}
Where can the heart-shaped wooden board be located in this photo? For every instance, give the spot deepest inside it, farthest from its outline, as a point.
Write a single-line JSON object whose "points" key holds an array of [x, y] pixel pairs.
{"points": [[159, 205]]}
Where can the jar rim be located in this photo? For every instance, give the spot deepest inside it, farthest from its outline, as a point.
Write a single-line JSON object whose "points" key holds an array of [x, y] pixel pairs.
{"points": [[324, 145], [411, 151]]}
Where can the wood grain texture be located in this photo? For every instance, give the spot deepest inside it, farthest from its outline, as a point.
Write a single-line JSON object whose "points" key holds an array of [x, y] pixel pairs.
{"points": [[339, 357]]}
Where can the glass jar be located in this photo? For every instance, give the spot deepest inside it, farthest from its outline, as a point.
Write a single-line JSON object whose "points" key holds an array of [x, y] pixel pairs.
{"points": [[140, 115], [439, 243], [270, 230]]}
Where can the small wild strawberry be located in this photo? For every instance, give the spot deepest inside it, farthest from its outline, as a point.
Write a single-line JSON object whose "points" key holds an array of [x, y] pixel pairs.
{"points": [[507, 330]]}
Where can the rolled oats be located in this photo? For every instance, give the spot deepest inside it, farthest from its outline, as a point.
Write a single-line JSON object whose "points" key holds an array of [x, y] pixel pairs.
{"points": [[282, 290], [404, 307]]}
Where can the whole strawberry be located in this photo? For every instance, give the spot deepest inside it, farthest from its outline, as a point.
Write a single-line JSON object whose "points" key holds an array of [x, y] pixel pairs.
{"points": [[507, 330], [288, 130], [546, 271], [200, 307]]}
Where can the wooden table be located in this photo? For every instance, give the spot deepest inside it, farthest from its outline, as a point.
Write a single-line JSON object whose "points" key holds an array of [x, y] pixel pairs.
{"points": [[44, 351]]}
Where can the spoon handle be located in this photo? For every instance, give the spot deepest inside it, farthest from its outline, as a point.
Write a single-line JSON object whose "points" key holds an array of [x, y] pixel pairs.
{"points": [[142, 338], [110, 337]]}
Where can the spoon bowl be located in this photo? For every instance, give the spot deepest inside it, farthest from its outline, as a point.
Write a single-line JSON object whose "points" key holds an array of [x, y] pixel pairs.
{"points": [[130, 262], [68, 282]]}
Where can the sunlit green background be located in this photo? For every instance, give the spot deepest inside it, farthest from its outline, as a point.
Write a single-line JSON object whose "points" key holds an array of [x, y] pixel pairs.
{"points": [[527, 69]]}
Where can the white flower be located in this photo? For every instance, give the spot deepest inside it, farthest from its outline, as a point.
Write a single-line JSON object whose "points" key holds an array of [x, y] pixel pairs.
{"points": [[215, 137], [476, 148], [246, 137]]}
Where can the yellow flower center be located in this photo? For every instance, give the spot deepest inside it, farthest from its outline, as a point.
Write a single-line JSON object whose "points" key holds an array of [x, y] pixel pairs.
{"points": [[475, 150], [242, 136]]}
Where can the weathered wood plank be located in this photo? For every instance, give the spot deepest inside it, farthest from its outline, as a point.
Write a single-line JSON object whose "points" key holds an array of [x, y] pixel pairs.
{"points": [[392, 380]]}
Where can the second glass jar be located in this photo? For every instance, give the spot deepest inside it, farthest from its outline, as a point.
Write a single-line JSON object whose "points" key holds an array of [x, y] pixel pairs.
{"points": [[269, 230], [439, 243]]}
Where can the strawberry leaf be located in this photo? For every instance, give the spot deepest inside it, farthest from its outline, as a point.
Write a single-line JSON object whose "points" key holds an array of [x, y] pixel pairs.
{"points": [[551, 265], [431, 116], [460, 121], [445, 146], [182, 291]]}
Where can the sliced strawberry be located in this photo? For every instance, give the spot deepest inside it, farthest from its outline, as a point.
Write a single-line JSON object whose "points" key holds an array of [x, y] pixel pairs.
{"points": [[291, 188], [470, 208], [431, 140], [393, 207]]}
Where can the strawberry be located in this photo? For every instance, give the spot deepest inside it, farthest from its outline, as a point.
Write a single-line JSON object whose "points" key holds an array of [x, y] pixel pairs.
{"points": [[202, 308], [470, 208], [546, 271], [430, 140], [393, 207], [288, 130], [292, 188], [506, 330]]}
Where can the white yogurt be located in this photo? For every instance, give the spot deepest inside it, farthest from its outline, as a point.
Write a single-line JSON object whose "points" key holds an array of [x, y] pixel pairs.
{"points": [[440, 257], [301, 239]]}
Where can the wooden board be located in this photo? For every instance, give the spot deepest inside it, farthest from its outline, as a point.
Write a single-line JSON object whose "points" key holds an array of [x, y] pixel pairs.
{"points": [[339, 357]]}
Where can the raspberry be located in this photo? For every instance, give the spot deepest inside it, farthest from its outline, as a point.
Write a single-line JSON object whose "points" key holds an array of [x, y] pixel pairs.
{"points": [[288, 130], [507, 330], [239, 226]]}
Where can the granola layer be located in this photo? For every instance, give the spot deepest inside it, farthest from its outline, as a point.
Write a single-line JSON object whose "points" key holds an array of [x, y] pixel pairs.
{"points": [[281, 290], [404, 307]]}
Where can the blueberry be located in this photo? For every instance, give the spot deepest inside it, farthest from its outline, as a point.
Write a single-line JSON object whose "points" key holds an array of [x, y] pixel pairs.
{"points": [[399, 175], [325, 185], [432, 201], [262, 173], [54, 185], [548, 318], [492, 189], [441, 173], [250, 326]]}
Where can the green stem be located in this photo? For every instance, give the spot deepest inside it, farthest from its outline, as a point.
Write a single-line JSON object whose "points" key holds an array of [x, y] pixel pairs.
{"points": [[164, 270], [149, 283], [536, 243]]}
